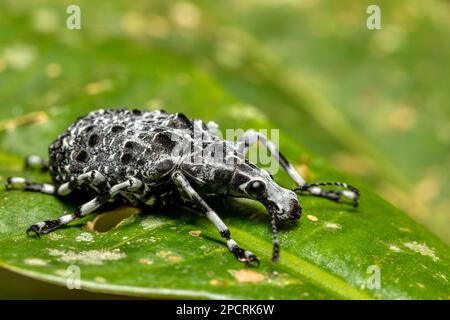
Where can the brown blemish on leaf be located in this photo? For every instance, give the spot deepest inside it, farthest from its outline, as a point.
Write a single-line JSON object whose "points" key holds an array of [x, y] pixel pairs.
{"points": [[163, 253], [245, 275], [145, 261], [111, 219], [174, 259], [195, 233]]}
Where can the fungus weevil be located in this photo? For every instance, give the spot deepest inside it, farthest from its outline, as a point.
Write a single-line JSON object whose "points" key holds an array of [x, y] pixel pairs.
{"points": [[141, 157]]}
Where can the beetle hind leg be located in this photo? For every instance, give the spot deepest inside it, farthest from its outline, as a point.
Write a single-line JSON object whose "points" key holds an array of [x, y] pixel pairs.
{"points": [[36, 163], [23, 184], [46, 226]]}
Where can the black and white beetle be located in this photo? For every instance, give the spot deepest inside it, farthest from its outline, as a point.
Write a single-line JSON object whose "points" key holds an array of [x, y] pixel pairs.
{"points": [[130, 154]]}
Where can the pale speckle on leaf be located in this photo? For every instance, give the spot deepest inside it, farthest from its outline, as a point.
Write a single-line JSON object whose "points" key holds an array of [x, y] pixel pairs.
{"points": [[91, 257], [394, 248], [35, 262], [333, 225], [85, 237], [421, 248]]}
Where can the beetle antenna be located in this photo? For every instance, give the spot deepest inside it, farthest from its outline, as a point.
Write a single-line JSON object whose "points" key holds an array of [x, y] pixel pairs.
{"points": [[275, 241], [351, 192]]}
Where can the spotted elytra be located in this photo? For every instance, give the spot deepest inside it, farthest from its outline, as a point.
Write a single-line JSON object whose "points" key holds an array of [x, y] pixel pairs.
{"points": [[151, 158]]}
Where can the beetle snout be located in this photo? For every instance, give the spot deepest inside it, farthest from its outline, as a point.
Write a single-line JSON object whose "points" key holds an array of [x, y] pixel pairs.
{"points": [[295, 211], [289, 209]]}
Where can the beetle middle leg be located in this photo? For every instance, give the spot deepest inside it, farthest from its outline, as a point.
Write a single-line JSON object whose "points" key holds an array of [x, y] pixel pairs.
{"points": [[43, 227], [251, 137], [93, 178], [188, 193]]}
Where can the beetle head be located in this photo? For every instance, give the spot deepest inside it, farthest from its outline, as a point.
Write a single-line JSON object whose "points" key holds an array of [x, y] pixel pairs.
{"points": [[252, 182]]}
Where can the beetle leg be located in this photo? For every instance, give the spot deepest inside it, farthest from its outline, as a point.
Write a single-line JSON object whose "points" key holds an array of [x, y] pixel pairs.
{"points": [[92, 178], [87, 208], [251, 137], [24, 184], [189, 194], [36, 162]]}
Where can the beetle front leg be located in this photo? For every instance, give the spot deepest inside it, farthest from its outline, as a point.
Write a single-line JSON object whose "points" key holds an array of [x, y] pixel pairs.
{"points": [[189, 194], [251, 137]]}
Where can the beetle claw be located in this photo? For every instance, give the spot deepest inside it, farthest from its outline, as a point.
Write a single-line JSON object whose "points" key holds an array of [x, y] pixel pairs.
{"points": [[33, 231]]}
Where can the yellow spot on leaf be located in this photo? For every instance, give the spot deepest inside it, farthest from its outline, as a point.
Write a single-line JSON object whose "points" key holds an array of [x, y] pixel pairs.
{"points": [[248, 276], [163, 253], [26, 119], [402, 118], [145, 261], [174, 259], [53, 70], [98, 87], [217, 283]]}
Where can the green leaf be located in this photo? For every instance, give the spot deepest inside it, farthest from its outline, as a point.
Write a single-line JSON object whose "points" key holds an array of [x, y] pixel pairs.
{"points": [[179, 254]]}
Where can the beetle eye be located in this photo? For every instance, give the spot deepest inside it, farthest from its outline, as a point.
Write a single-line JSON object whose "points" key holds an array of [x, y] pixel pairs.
{"points": [[256, 188]]}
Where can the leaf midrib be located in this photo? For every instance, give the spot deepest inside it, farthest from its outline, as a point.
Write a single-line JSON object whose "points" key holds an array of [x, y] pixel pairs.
{"points": [[300, 266]]}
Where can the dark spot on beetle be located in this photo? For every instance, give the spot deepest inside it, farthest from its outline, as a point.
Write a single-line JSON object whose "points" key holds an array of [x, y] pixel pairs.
{"points": [[89, 129], [126, 158], [131, 145], [222, 175], [82, 156], [164, 165], [137, 112], [117, 129], [240, 179], [180, 121], [93, 140], [165, 140], [141, 162]]}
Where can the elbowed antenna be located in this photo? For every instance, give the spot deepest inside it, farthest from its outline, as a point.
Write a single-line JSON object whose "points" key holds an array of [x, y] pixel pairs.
{"points": [[275, 241], [314, 188]]}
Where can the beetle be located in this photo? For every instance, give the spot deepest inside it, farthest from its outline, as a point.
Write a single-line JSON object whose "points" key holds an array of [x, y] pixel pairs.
{"points": [[155, 158]]}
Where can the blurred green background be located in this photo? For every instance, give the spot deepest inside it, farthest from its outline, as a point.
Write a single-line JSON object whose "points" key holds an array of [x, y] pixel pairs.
{"points": [[375, 103]]}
